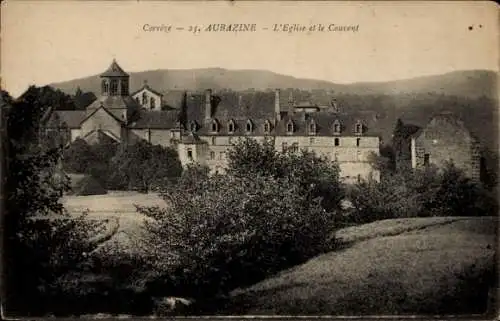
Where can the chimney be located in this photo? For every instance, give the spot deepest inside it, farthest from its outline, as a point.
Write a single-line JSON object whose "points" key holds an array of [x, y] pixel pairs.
{"points": [[208, 104], [290, 103], [277, 109]]}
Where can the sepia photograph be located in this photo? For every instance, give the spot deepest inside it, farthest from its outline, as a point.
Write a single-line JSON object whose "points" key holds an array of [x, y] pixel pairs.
{"points": [[249, 158]]}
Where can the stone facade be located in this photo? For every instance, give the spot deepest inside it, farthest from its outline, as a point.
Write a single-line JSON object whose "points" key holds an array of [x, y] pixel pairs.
{"points": [[206, 124], [444, 139], [148, 98]]}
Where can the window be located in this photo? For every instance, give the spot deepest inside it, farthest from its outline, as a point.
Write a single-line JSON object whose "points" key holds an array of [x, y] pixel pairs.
{"points": [[295, 147], [192, 126], [427, 158], [114, 86], [359, 178], [230, 140], [284, 146], [249, 126], [190, 154], [104, 87], [312, 128], [213, 141], [359, 155], [137, 99], [336, 156], [267, 127], [311, 140], [152, 103], [289, 127], [358, 140], [212, 155], [144, 99], [336, 127], [230, 127], [337, 142], [359, 128], [215, 127], [124, 87], [222, 155]]}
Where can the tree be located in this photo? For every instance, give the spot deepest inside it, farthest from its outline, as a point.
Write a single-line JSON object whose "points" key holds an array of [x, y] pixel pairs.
{"points": [[145, 167], [42, 242], [78, 158], [251, 157]]}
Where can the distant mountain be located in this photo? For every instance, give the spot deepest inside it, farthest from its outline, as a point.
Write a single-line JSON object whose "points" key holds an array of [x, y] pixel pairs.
{"points": [[469, 83]]}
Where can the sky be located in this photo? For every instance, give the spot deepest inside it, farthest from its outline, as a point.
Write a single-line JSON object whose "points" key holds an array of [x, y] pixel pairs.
{"points": [[44, 42]]}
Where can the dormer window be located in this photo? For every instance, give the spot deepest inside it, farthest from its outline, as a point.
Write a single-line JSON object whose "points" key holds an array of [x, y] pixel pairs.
{"points": [[193, 127], [230, 127], [215, 126], [312, 128], [249, 126], [289, 127], [267, 127], [358, 129], [336, 127]]}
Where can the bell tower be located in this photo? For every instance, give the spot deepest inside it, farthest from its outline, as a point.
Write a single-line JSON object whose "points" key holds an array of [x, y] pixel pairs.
{"points": [[114, 81]]}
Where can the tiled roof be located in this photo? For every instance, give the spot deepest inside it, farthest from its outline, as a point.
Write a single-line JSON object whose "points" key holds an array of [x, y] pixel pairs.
{"points": [[164, 119], [259, 107], [91, 112], [114, 70], [72, 118]]}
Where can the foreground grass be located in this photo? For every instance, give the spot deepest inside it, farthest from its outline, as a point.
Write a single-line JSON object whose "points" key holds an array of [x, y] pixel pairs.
{"points": [[440, 269]]}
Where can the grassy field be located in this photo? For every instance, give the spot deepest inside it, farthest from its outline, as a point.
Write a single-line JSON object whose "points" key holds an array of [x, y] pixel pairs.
{"points": [[119, 209], [432, 266], [400, 266]]}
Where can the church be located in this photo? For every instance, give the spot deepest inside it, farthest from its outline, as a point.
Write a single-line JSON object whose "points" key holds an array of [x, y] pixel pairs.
{"points": [[205, 124]]}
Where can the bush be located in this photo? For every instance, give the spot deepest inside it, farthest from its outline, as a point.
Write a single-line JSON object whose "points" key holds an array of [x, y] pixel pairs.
{"points": [[144, 167], [225, 231], [428, 192], [231, 231]]}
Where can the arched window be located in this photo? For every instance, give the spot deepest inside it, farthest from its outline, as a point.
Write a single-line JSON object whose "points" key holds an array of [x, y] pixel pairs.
{"points": [[249, 126], [152, 103], [114, 86], [289, 127], [230, 127], [144, 99], [212, 155], [337, 142], [358, 140], [215, 126]]}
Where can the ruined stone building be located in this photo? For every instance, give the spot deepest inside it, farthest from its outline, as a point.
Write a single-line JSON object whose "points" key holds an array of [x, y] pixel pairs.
{"points": [[204, 125], [443, 139]]}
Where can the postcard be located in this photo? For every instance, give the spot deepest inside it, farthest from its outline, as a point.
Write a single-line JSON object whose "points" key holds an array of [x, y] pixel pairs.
{"points": [[249, 158]]}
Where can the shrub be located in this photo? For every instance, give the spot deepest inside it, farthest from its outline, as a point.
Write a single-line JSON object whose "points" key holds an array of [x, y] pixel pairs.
{"points": [[233, 230], [269, 211], [428, 192], [145, 167]]}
